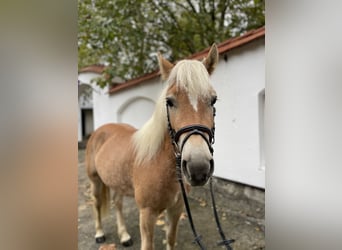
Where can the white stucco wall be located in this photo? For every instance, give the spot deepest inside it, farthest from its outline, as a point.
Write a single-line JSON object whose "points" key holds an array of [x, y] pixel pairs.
{"points": [[134, 105], [84, 102], [238, 83]]}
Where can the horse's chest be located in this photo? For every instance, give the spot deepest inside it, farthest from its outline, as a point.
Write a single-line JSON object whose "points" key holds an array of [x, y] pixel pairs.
{"points": [[153, 188]]}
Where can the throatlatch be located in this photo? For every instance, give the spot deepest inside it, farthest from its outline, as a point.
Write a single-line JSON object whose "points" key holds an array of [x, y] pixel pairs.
{"points": [[198, 130]]}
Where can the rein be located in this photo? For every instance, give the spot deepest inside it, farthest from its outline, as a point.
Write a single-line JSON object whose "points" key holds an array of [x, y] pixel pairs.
{"points": [[201, 130]]}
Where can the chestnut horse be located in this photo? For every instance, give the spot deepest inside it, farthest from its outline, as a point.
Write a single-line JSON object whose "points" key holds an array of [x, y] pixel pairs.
{"points": [[141, 163]]}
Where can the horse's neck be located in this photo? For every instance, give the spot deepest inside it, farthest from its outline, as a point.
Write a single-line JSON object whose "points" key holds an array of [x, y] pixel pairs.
{"points": [[167, 150]]}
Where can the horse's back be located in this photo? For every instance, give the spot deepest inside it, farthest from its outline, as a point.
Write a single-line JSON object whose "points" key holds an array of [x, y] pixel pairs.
{"points": [[109, 154], [103, 133]]}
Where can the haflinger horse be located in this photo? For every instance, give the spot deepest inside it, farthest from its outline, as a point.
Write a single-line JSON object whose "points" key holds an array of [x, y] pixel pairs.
{"points": [[141, 163]]}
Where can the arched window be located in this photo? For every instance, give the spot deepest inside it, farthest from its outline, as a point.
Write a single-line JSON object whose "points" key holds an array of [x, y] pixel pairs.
{"points": [[135, 111]]}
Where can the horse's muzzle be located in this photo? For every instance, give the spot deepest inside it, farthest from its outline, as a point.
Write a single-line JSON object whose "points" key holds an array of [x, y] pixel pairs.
{"points": [[198, 173]]}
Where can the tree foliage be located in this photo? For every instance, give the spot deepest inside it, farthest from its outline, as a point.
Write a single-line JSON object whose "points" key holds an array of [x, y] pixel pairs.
{"points": [[126, 34]]}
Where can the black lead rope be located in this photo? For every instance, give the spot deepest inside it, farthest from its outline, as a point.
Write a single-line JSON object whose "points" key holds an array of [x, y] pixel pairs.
{"points": [[199, 130], [198, 237], [224, 241]]}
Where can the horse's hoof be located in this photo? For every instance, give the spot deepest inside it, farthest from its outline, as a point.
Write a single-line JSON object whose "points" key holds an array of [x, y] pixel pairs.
{"points": [[127, 243], [100, 239]]}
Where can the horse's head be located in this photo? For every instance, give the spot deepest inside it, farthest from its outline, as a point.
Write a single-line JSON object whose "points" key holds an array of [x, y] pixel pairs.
{"points": [[189, 101]]}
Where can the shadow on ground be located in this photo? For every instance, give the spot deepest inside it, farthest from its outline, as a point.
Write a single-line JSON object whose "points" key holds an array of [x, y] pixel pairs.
{"points": [[241, 210]]}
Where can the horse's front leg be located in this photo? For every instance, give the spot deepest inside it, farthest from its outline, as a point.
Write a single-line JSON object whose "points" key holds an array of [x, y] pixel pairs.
{"points": [[148, 219], [173, 214]]}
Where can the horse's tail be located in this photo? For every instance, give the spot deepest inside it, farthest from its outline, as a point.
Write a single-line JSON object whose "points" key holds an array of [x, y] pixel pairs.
{"points": [[105, 198]]}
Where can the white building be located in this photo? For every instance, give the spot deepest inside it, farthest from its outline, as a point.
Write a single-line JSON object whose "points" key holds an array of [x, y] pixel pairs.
{"points": [[85, 101], [239, 81]]}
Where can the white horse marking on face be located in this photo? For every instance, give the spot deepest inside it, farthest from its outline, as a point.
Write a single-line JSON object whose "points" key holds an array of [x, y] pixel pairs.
{"points": [[193, 101]]}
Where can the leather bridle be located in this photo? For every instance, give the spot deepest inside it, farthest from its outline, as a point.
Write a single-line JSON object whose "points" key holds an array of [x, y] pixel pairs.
{"points": [[209, 137]]}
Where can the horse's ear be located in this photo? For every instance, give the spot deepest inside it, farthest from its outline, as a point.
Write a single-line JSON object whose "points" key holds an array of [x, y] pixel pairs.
{"points": [[212, 58], [165, 66]]}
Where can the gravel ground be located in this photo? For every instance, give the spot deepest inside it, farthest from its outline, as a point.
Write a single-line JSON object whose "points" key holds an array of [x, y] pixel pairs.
{"points": [[241, 210]]}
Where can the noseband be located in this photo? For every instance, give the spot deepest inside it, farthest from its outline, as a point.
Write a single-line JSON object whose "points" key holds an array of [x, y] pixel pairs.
{"points": [[209, 137], [195, 129]]}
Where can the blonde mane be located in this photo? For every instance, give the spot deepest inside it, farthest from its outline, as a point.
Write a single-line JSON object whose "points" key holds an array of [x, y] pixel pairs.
{"points": [[191, 76], [188, 75]]}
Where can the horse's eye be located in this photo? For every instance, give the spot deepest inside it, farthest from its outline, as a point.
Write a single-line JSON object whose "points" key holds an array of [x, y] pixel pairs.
{"points": [[170, 102], [213, 100]]}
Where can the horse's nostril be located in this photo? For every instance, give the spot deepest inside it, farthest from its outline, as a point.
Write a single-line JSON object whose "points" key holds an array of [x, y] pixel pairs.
{"points": [[211, 166], [186, 169], [212, 163]]}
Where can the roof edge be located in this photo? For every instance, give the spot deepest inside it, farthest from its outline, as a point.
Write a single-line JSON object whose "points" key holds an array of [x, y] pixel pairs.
{"points": [[95, 68], [222, 48], [133, 82], [232, 43]]}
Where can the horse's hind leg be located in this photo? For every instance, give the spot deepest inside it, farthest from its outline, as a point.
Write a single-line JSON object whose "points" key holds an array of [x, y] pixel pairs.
{"points": [[100, 195], [125, 238]]}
